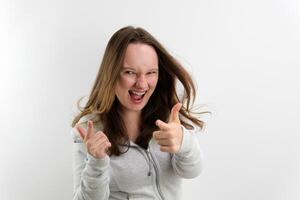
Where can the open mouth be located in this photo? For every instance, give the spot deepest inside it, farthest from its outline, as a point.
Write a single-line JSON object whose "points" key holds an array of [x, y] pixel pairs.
{"points": [[137, 96]]}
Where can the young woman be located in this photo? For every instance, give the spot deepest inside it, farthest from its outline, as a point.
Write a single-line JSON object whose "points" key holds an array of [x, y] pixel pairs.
{"points": [[135, 138]]}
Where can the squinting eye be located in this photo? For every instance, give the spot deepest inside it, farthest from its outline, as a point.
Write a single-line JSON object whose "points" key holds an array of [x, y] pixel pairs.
{"points": [[154, 72], [129, 72]]}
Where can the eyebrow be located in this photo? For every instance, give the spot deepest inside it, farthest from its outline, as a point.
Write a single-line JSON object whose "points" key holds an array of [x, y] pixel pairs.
{"points": [[156, 68]]}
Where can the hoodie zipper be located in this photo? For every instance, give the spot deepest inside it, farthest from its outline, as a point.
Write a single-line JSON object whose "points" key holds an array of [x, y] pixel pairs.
{"points": [[147, 160], [156, 172], [148, 152]]}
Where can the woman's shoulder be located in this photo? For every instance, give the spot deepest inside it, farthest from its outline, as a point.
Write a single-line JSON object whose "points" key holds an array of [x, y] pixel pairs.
{"points": [[90, 116]]}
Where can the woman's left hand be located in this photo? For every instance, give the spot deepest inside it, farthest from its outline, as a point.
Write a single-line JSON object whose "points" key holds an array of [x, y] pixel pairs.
{"points": [[169, 136]]}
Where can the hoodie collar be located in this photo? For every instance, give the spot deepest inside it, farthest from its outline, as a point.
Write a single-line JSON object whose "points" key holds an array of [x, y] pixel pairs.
{"points": [[133, 144]]}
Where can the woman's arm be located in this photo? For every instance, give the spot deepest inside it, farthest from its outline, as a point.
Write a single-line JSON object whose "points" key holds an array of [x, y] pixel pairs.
{"points": [[90, 175], [188, 161]]}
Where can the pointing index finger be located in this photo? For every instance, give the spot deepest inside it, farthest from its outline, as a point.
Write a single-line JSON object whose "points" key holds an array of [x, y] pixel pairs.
{"points": [[162, 125], [90, 129], [81, 131]]}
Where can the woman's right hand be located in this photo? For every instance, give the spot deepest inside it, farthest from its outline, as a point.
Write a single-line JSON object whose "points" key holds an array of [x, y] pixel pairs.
{"points": [[96, 144]]}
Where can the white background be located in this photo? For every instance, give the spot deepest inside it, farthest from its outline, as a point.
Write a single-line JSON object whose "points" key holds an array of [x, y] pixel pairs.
{"points": [[244, 56]]}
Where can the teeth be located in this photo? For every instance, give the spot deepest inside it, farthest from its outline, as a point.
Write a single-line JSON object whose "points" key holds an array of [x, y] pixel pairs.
{"points": [[138, 93]]}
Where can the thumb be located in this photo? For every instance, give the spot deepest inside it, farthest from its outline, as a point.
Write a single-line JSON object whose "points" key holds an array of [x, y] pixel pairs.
{"points": [[174, 116]]}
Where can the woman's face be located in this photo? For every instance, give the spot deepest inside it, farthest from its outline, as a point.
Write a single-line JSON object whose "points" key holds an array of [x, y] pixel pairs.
{"points": [[138, 76]]}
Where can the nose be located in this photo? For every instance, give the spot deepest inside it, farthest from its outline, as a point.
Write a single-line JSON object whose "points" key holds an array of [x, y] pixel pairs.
{"points": [[141, 82]]}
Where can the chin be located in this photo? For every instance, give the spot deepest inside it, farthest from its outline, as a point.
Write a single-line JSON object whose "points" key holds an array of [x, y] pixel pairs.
{"points": [[136, 107]]}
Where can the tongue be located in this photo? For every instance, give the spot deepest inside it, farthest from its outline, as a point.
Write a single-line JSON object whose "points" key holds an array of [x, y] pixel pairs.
{"points": [[136, 97]]}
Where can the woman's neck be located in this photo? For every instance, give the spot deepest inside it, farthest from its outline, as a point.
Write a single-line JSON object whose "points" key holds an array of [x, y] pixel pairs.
{"points": [[132, 120]]}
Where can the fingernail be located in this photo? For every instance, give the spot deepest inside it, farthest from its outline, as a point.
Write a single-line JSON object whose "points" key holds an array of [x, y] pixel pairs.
{"points": [[157, 122]]}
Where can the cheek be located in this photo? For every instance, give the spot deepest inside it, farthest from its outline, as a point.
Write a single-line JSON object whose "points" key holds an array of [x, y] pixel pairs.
{"points": [[152, 82], [126, 83]]}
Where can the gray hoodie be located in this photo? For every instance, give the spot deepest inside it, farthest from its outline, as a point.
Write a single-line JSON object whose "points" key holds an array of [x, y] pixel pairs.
{"points": [[137, 174]]}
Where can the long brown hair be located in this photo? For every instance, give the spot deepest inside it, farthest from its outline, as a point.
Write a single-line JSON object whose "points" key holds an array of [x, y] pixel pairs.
{"points": [[102, 101]]}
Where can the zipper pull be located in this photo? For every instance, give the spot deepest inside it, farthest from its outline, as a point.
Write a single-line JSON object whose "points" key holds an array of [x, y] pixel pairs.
{"points": [[148, 152]]}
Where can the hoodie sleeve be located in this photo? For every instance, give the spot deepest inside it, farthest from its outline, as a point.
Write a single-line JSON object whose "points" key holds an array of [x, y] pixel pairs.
{"points": [[188, 161], [90, 175]]}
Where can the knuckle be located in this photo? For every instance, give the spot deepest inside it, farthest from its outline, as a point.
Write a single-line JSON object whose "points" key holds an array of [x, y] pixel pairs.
{"points": [[169, 135], [101, 134], [173, 148], [164, 149]]}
